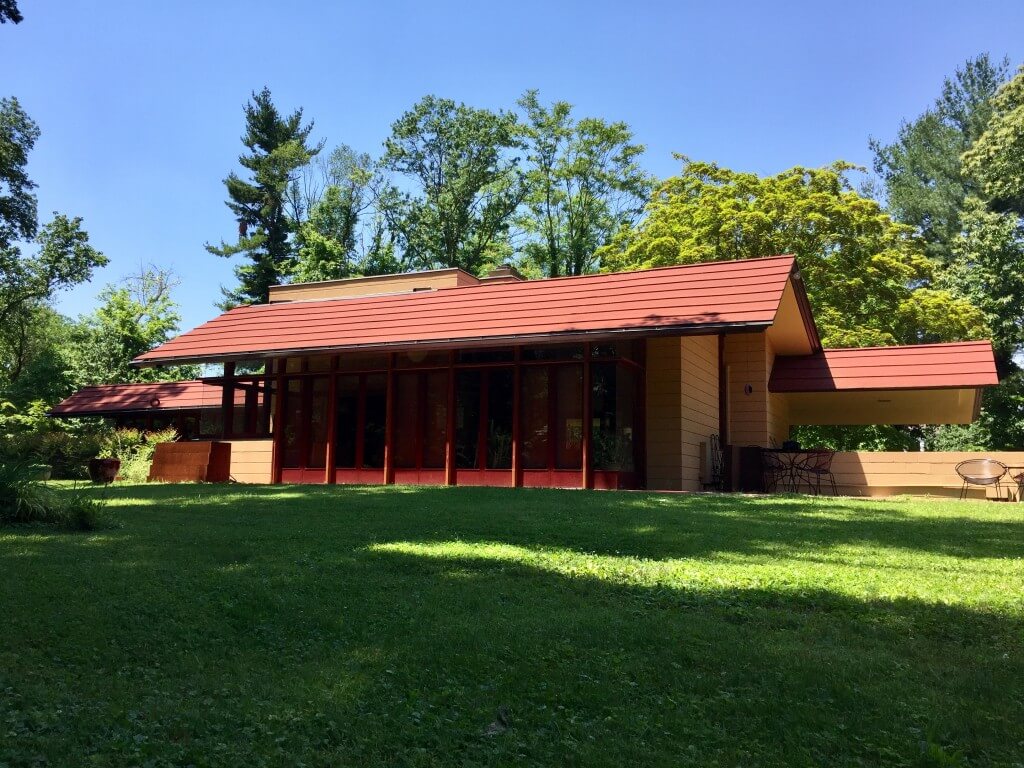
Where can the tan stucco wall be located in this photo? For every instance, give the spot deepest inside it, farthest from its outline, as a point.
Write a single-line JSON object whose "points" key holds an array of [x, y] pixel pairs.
{"points": [[251, 460]]}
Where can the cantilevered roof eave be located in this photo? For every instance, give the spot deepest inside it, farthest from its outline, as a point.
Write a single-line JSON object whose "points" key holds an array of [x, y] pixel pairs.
{"points": [[147, 361]]}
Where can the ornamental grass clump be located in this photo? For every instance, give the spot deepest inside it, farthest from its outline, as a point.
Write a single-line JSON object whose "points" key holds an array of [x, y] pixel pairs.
{"points": [[25, 500]]}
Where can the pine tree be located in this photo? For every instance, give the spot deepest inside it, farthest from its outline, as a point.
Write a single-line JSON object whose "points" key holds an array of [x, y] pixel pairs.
{"points": [[278, 147]]}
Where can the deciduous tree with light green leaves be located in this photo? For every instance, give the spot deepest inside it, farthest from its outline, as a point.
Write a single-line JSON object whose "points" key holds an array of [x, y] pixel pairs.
{"points": [[996, 159], [133, 317], [461, 166], [584, 183], [867, 276]]}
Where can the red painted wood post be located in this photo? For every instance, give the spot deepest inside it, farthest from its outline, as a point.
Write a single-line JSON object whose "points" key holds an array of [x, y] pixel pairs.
{"points": [[332, 406], [449, 441], [588, 455], [227, 402], [389, 424], [517, 435]]}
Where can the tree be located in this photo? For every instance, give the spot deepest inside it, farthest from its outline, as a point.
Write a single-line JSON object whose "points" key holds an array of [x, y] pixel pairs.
{"points": [[32, 335], [277, 148], [867, 276], [997, 157], [9, 12], [584, 183], [336, 196], [18, 135], [925, 185], [64, 259], [466, 183], [133, 318]]}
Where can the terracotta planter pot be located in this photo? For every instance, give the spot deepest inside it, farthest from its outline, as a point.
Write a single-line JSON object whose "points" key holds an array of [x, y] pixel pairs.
{"points": [[103, 470]]}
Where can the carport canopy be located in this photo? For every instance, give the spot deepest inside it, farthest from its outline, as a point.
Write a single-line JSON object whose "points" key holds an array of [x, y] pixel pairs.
{"points": [[920, 384]]}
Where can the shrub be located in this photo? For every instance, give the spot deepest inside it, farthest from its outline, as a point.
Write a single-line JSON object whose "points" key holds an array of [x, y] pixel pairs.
{"points": [[134, 448], [66, 445], [24, 500]]}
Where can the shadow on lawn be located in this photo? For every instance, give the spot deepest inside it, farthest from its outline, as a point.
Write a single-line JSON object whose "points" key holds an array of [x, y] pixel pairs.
{"points": [[284, 632], [646, 525]]}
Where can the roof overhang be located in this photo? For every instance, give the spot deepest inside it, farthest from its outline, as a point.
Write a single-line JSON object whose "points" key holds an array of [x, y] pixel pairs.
{"points": [[704, 298], [155, 397], [917, 384], [512, 340]]}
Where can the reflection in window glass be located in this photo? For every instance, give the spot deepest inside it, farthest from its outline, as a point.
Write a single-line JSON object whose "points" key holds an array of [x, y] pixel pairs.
{"points": [[376, 420], [320, 363], [486, 355], [554, 352], [317, 457], [420, 359], [406, 406], [467, 419], [293, 417], [435, 422], [613, 406], [499, 418], [534, 424], [347, 421], [568, 416], [363, 361]]}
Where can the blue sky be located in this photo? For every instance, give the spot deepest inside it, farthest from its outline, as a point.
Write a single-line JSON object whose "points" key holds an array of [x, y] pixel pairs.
{"points": [[140, 102]]}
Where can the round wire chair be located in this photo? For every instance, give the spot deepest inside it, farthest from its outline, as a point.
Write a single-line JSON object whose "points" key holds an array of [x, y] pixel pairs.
{"points": [[982, 472]]}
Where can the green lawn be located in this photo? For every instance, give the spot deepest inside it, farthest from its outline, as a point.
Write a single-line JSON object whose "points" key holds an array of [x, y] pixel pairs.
{"points": [[217, 625]]}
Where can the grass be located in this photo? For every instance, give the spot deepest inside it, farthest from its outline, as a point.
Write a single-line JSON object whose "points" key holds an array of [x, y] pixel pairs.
{"points": [[219, 625]]}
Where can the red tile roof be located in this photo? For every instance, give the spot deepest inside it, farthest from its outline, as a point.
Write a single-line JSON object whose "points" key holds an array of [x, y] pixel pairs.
{"points": [[122, 398], [720, 294], [923, 366]]}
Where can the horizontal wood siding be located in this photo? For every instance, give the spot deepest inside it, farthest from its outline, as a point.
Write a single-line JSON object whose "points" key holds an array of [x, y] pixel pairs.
{"points": [[250, 460], [885, 473], [664, 414], [747, 358], [699, 419], [371, 286], [777, 406]]}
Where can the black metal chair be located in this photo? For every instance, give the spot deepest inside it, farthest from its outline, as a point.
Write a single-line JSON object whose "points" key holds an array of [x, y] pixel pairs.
{"points": [[775, 470], [714, 481], [981, 472]]}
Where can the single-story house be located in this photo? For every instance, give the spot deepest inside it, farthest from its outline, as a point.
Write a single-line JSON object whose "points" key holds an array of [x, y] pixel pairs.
{"points": [[622, 380]]}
